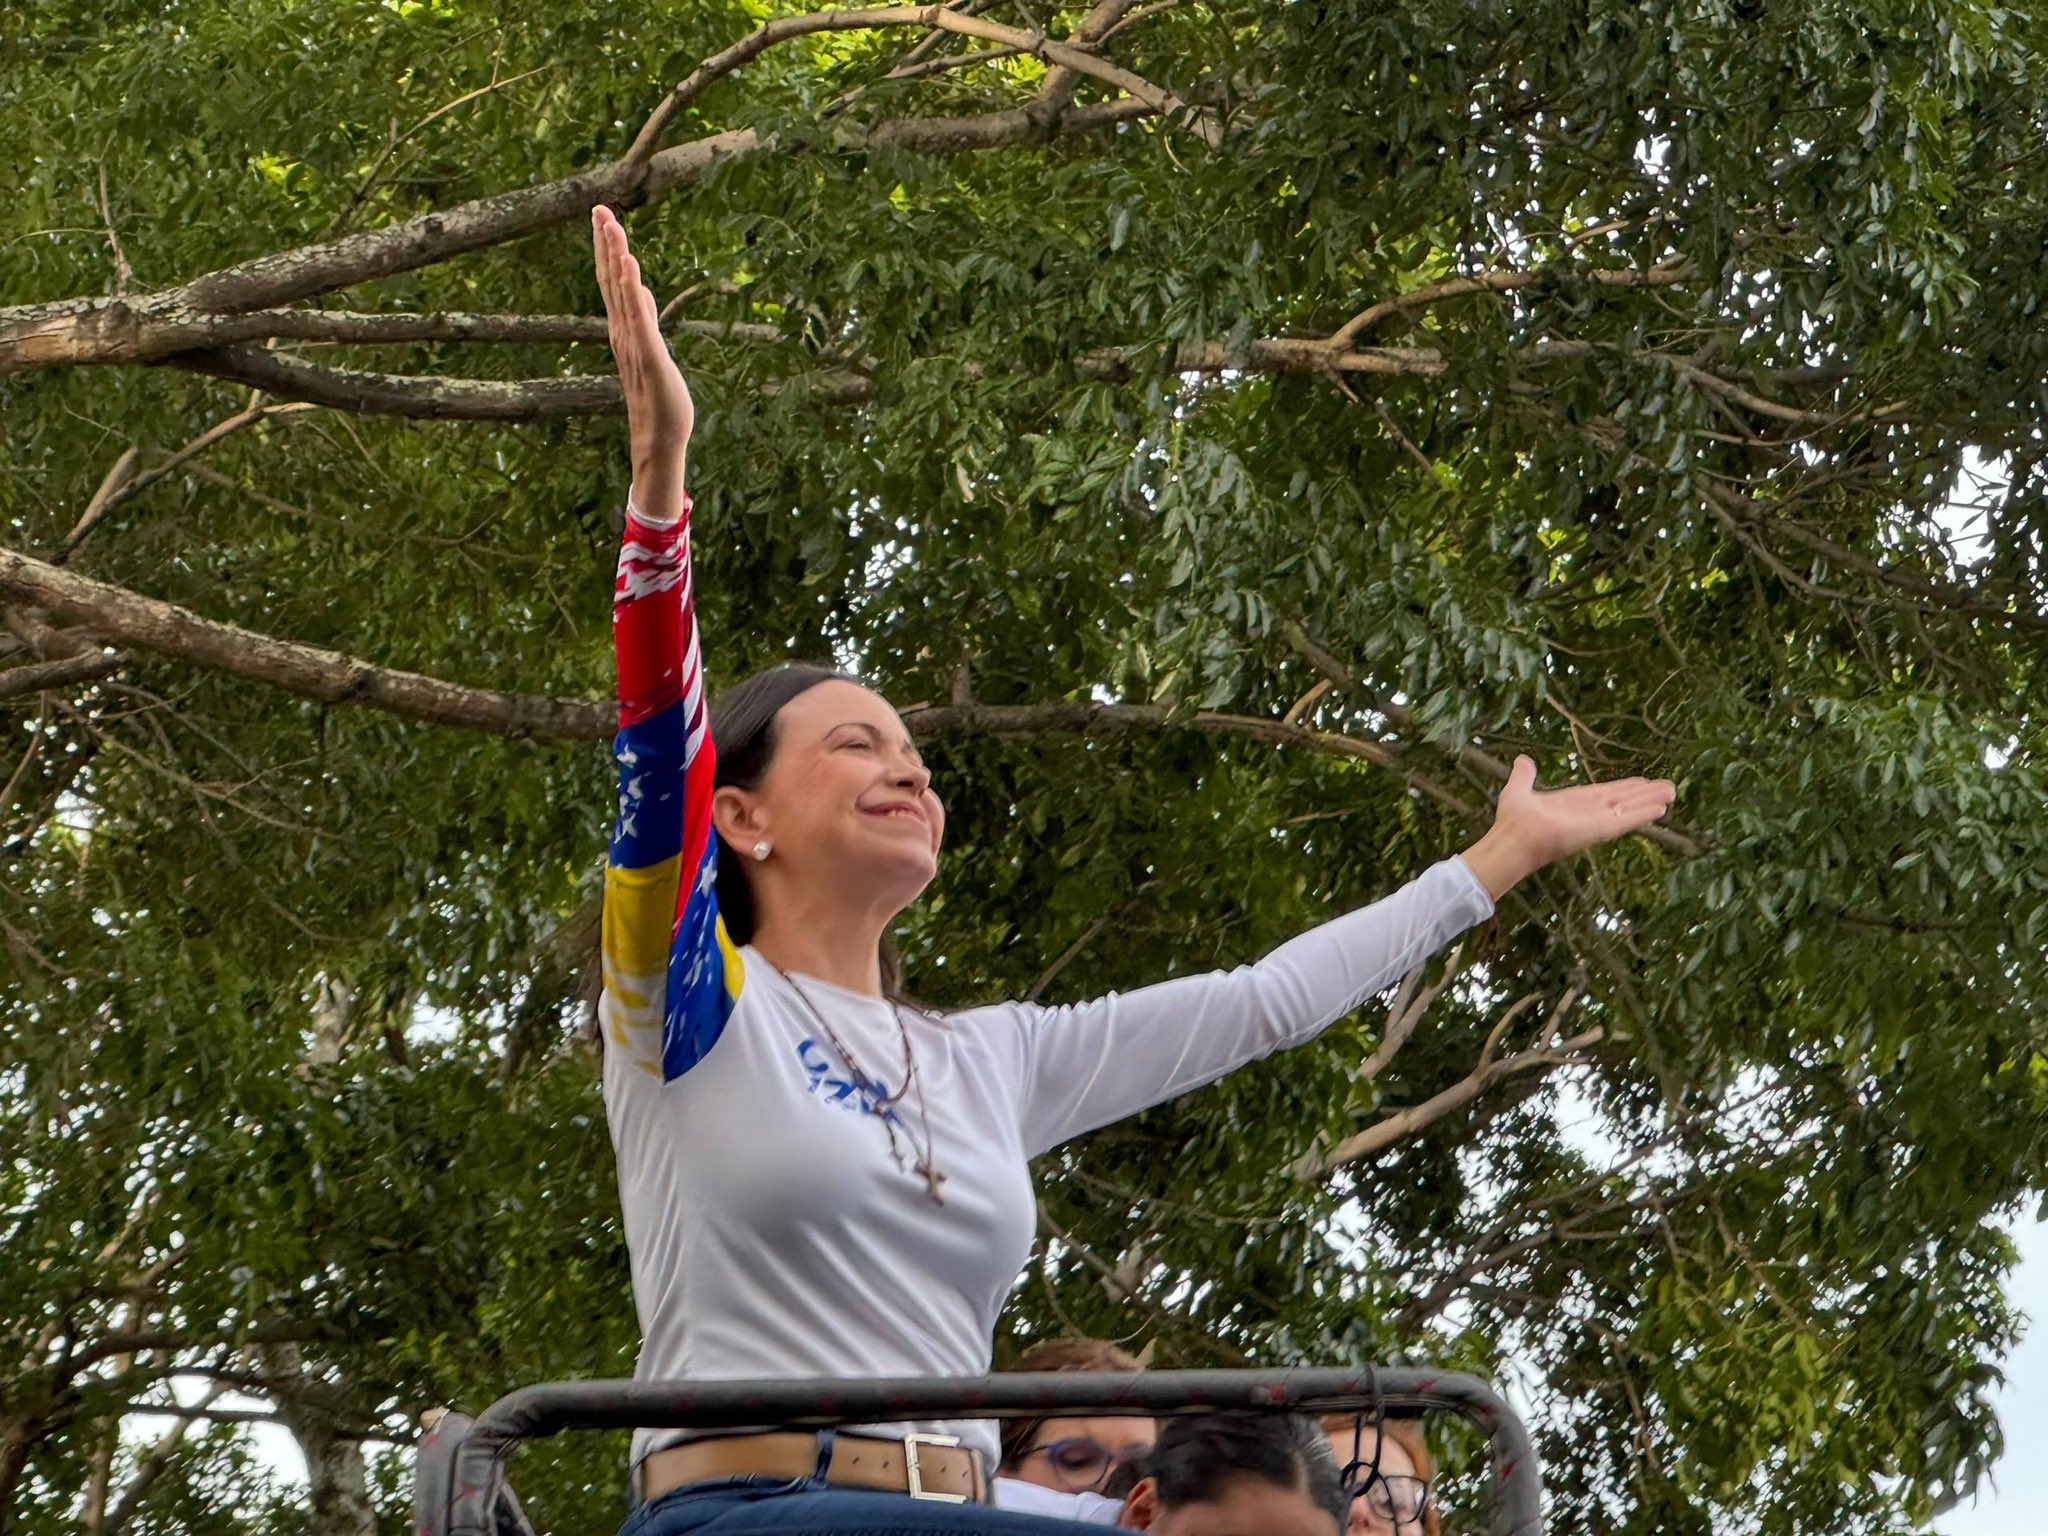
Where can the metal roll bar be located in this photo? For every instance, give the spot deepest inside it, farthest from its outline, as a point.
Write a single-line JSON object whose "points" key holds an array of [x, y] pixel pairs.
{"points": [[477, 1468]]}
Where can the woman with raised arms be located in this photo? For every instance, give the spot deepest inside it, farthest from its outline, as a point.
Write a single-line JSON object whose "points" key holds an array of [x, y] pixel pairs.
{"points": [[819, 1179]]}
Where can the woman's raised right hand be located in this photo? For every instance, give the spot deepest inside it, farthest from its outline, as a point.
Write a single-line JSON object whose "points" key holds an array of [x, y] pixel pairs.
{"points": [[659, 411]]}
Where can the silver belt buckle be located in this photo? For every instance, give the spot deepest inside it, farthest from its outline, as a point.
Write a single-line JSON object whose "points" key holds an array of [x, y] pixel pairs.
{"points": [[915, 1475]]}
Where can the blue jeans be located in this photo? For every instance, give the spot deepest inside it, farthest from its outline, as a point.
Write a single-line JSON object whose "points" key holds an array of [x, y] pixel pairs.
{"points": [[769, 1506]]}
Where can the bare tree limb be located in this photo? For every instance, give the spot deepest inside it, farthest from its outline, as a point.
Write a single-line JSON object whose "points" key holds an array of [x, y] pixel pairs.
{"points": [[467, 399], [121, 484], [114, 613], [1742, 512], [1500, 282], [1402, 1124], [936, 17], [456, 399], [1751, 401], [1092, 29], [123, 273], [1476, 759], [66, 673], [359, 329], [952, 61], [159, 1458], [373, 179], [387, 394], [111, 485], [1410, 1003], [150, 328], [137, 1341]]}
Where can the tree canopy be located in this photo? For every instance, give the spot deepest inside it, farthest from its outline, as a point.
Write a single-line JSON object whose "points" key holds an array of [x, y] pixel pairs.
{"points": [[1230, 432]]}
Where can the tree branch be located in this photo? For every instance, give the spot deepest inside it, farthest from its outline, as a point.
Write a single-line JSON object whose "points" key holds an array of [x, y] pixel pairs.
{"points": [[527, 400], [469, 399], [465, 399], [355, 328], [121, 481], [1741, 511], [388, 394], [160, 1455], [67, 673], [1465, 755], [114, 613], [137, 1341], [117, 614], [1501, 282], [1410, 1003], [936, 17], [1106, 16], [80, 331], [1087, 717], [1402, 1124]]}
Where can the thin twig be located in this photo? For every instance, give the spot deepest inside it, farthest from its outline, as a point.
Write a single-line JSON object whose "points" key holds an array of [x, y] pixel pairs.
{"points": [[131, 485], [123, 273]]}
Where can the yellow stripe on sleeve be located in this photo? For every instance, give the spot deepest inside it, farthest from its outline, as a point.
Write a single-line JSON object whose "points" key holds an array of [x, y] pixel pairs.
{"points": [[735, 967], [639, 917]]}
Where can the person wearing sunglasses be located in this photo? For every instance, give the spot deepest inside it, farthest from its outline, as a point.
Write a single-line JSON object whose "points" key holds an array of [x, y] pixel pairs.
{"points": [[1388, 1474], [1076, 1468]]}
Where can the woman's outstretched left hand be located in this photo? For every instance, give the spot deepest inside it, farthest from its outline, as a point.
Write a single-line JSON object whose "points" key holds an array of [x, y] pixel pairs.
{"points": [[1533, 827]]}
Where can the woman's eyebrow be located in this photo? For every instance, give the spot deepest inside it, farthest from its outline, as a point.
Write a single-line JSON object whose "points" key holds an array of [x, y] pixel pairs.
{"points": [[875, 731]]}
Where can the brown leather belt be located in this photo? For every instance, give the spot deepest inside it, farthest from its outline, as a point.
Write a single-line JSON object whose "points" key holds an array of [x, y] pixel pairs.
{"points": [[923, 1466]]}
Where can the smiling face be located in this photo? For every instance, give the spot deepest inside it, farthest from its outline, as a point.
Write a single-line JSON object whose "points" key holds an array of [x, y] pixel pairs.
{"points": [[845, 805]]}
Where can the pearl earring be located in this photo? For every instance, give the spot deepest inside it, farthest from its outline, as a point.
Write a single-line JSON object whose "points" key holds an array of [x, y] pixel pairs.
{"points": [[760, 851]]}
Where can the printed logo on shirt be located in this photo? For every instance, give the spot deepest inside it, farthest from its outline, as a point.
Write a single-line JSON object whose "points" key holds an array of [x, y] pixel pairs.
{"points": [[852, 1089]]}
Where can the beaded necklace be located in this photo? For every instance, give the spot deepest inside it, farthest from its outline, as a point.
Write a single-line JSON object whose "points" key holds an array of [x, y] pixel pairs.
{"points": [[923, 1167]]}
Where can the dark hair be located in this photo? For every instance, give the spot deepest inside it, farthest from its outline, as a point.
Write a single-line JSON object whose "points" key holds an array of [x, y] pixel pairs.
{"points": [[1072, 1354], [1200, 1454], [743, 734]]}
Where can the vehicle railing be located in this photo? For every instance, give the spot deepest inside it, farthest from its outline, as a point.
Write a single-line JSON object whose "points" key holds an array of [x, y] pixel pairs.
{"points": [[475, 1493]]}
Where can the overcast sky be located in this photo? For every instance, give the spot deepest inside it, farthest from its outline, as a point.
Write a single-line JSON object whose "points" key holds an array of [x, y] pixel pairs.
{"points": [[2019, 1504]]}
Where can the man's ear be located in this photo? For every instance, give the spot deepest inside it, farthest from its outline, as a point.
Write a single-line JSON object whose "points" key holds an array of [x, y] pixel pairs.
{"points": [[1141, 1506], [736, 815]]}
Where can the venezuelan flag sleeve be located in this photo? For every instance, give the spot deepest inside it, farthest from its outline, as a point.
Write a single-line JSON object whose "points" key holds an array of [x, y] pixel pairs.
{"points": [[671, 976]]}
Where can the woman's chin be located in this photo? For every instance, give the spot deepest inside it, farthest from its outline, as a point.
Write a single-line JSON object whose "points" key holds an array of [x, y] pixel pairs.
{"points": [[900, 875]]}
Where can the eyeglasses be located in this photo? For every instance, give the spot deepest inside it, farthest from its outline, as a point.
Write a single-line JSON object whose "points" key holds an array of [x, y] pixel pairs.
{"points": [[1084, 1464], [1394, 1497]]}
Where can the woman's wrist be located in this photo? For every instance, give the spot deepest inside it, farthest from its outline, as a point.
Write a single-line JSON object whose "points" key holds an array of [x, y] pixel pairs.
{"points": [[1501, 860], [658, 493]]}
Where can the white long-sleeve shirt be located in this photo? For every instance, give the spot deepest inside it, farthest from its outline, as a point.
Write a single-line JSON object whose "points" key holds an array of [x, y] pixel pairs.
{"points": [[771, 1232]]}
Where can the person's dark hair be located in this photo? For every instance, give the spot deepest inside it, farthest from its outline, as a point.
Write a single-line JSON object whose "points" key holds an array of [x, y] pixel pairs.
{"points": [[743, 733], [1201, 1454], [1069, 1354]]}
